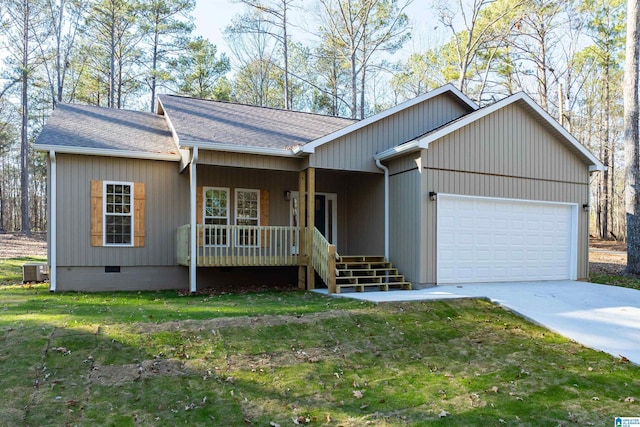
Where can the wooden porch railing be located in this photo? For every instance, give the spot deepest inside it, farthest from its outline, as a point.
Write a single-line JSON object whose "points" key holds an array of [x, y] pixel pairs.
{"points": [[239, 245], [323, 256]]}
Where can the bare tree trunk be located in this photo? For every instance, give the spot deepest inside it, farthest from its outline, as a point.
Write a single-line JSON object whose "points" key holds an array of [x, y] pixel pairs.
{"points": [[24, 139], [285, 48], [112, 65], [631, 117]]}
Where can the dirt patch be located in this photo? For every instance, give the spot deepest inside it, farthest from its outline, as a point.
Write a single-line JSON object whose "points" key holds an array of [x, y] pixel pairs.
{"points": [[238, 322], [612, 245], [13, 245], [607, 257], [122, 374]]}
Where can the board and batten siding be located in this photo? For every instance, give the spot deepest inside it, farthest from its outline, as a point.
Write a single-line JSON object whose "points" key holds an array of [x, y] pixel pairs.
{"points": [[166, 208], [405, 213], [365, 219], [251, 161], [508, 142], [355, 151]]}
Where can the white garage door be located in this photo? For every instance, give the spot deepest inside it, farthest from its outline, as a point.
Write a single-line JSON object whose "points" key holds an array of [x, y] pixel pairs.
{"points": [[498, 240]]}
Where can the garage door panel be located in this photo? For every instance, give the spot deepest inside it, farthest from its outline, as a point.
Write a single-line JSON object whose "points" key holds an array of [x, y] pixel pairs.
{"points": [[482, 240]]}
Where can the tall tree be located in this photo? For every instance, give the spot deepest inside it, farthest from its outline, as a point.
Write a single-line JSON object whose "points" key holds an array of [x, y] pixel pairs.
{"points": [[58, 44], [20, 23], [605, 24], [358, 30], [199, 70], [269, 17], [166, 24], [632, 137]]}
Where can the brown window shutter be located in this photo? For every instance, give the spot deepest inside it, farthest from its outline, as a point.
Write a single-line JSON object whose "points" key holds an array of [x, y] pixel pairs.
{"points": [[200, 211], [264, 215], [138, 214], [97, 228]]}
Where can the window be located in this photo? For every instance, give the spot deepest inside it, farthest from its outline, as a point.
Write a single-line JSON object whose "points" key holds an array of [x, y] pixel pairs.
{"points": [[216, 212], [247, 213], [118, 214]]}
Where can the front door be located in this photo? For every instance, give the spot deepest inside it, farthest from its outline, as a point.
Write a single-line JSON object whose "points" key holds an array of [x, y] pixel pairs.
{"points": [[326, 214]]}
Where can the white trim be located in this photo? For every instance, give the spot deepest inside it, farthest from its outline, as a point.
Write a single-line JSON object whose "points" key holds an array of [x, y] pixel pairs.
{"points": [[334, 213], [405, 148], [193, 248], [53, 238], [235, 212], [573, 268], [242, 149], [105, 152], [424, 141], [131, 214], [310, 147], [174, 134], [204, 211]]}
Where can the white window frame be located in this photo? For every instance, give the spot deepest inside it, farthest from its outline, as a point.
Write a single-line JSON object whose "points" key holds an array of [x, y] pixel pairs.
{"points": [[204, 211], [131, 213], [236, 216]]}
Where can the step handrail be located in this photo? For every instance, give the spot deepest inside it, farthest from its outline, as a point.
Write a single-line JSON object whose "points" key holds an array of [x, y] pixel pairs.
{"points": [[323, 259]]}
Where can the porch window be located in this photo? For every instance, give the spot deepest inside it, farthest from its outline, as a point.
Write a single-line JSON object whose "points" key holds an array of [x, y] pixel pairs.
{"points": [[216, 212], [247, 214], [118, 214]]}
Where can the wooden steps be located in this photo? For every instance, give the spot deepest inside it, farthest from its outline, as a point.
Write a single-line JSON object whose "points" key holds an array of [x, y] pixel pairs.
{"points": [[358, 272]]}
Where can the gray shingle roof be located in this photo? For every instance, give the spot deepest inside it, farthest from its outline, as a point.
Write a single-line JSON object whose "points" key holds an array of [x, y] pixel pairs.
{"points": [[199, 120], [83, 126]]}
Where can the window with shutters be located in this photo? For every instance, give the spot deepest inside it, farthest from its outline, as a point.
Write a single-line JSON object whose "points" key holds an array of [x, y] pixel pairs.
{"points": [[118, 213]]}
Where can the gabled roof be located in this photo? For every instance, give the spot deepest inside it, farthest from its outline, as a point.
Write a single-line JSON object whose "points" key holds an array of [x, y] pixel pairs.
{"points": [[522, 99], [224, 125], [448, 88], [83, 129]]}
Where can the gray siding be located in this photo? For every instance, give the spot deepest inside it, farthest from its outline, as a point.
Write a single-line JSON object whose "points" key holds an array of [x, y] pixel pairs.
{"points": [[166, 208], [355, 151], [405, 212], [252, 161], [129, 279], [510, 143], [365, 219], [498, 186]]}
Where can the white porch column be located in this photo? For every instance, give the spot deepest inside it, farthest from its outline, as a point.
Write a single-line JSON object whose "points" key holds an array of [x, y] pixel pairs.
{"points": [[193, 248], [53, 237]]}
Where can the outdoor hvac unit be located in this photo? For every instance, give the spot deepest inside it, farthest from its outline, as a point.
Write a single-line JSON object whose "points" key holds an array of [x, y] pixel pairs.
{"points": [[35, 272]]}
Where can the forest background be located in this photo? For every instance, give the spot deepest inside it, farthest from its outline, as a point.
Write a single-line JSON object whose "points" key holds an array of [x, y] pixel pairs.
{"points": [[349, 58]]}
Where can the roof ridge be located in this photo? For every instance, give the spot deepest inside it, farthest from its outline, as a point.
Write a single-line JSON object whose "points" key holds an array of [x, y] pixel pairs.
{"points": [[260, 106]]}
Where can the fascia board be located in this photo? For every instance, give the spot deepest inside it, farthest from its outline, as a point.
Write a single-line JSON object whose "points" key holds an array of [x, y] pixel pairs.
{"points": [[230, 148], [169, 157], [310, 147], [405, 148]]}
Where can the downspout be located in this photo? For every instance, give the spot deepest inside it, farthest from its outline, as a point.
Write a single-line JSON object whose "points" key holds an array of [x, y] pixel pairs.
{"points": [[53, 238], [193, 255], [386, 207]]}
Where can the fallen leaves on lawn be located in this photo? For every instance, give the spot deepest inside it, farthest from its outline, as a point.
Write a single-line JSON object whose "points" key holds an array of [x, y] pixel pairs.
{"points": [[629, 400], [444, 414], [358, 394]]}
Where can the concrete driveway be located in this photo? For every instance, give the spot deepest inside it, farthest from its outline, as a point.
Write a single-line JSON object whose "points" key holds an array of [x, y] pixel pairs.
{"points": [[601, 317]]}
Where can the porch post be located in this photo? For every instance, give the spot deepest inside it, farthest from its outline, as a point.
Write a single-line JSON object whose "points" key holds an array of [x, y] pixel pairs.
{"points": [[302, 223], [193, 248], [311, 215]]}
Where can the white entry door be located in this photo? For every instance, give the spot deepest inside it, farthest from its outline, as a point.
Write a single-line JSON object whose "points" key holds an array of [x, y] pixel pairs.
{"points": [[498, 240]]}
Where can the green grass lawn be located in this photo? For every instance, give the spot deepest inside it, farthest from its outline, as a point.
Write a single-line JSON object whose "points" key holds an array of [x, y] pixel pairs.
{"points": [[292, 358]]}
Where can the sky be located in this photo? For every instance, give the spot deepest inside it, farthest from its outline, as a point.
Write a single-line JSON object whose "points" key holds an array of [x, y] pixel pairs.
{"points": [[212, 16]]}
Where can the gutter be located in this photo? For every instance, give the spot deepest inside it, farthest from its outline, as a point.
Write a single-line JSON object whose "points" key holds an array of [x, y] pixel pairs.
{"points": [[386, 206], [193, 255], [170, 157], [232, 148], [53, 238], [405, 148]]}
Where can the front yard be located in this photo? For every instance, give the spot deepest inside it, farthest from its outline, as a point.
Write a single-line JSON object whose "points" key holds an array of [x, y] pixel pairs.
{"points": [[292, 358]]}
